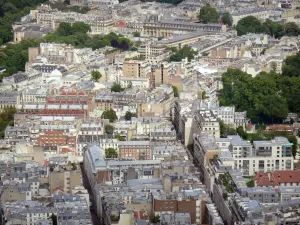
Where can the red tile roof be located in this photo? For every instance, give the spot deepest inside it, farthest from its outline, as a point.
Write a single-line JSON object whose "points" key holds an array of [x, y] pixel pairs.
{"points": [[280, 127], [277, 177]]}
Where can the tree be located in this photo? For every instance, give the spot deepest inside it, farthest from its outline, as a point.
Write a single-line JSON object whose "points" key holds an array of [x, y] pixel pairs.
{"points": [[136, 34], [175, 90], [116, 88], [227, 19], [9, 7], [128, 115], [110, 114], [155, 219], [208, 14], [64, 29], [293, 140], [291, 66], [249, 24], [180, 54], [203, 95], [264, 97], [114, 43], [54, 219], [96, 75], [109, 129], [111, 153], [222, 128], [120, 138], [80, 27]]}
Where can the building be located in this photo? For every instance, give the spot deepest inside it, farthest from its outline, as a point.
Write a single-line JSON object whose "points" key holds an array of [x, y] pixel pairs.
{"points": [[206, 121], [261, 14], [9, 100], [139, 150], [278, 178], [165, 28], [111, 172], [30, 31], [261, 156], [65, 180], [136, 69]]}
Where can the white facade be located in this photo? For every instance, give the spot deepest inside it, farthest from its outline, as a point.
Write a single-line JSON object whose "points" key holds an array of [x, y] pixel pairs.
{"points": [[261, 156], [260, 14]]}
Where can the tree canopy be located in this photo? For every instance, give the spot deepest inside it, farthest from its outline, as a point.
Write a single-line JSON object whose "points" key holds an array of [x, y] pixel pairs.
{"points": [[291, 66], [227, 19], [6, 118], [116, 88], [96, 75], [175, 90], [110, 114], [208, 14], [251, 24], [182, 53], [109, 129], [267, 98], [111, 153], [128, 115]]}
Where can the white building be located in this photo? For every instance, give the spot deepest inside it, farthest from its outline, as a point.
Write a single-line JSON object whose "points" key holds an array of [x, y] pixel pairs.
{"points": [[261, 156], [261, 14]]}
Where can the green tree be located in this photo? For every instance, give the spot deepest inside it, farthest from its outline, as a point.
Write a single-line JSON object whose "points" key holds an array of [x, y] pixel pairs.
{"points": [[120, 138], [291, 66], [109, 129], [128, 115], [184, 52], [9, 7], [110, 114], [293, 140], [116, 88], [203, 95], [223, 132], [64, 29], [227, 19], [111, 153], [175, 90], [80, 27], [259, 96], [96, 75], [208, 14], [6, 118], [249, 24], [54, 219], [136, 34], [155, 219]]}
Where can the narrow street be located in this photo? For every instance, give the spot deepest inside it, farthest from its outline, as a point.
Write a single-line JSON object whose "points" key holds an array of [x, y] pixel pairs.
{"points": [[95, 219]]}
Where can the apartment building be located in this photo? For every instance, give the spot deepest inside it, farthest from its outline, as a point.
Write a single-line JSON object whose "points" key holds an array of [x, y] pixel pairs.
{"points": [[164, 28], [139, 150], [104, 100], [98, 23], [33, 96], [186, 203], [262, 156], [136, 69], [9, 100], [279, 178], [113, 172], [29, 31], [66, 180], [55, 138], [206, 121]]}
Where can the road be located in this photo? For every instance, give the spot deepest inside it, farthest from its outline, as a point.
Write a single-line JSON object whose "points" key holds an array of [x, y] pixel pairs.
{"points": [[95, 219]]}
